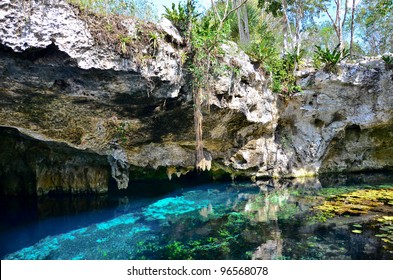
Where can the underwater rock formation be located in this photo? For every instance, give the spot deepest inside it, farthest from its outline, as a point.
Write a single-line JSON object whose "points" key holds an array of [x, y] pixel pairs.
{"points": [[58, 81]]}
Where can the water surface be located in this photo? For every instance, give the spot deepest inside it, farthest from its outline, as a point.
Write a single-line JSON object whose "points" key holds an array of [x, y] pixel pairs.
{"points": [[268, 220]]}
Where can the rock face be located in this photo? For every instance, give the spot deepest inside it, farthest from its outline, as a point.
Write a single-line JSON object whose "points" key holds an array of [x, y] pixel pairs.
{"points": [[34, 24], [34, 165], [121, 118], [339, 123]]}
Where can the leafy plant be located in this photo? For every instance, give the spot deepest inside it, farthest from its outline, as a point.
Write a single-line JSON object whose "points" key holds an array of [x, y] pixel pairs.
{"points": [[283, 79], [121, 130], [388, 59], [153, 41], [295, 57], [331, 58], [385, 224], [124, 42], [180, 15], [261, 50]]}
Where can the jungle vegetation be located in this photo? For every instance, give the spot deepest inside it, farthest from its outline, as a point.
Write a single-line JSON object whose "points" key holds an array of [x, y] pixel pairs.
{"points": [[271, 32]]}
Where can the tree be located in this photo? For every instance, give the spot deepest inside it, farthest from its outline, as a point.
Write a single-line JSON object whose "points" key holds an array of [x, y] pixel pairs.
{"points": [[301, 11], [340, 8], [375, 25], [222, 17], [250, 20], [279, 8], [293, 13], [322, 34]]}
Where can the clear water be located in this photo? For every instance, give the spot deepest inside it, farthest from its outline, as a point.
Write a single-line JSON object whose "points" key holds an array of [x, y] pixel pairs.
{"points": [[212, 221]]}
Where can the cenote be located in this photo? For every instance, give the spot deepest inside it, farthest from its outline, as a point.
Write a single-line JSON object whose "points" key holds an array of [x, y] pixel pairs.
{"points": [[336, 217]]}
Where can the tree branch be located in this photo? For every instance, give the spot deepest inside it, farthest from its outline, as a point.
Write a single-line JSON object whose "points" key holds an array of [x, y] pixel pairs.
{"points": [[331, 19], [233, 9], [215, 10], [345, 14]]}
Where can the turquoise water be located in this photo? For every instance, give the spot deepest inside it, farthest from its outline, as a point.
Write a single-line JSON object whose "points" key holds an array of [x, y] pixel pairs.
{"points": [[212, 221]]}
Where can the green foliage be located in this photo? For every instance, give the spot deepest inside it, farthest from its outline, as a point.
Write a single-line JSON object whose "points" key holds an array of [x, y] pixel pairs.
{"points": [[262, 51], [206, 40], [332, 192], [280, 68], [375, 25], [356, 203], [181, 15], [177, 251], [153, 40], [121, 131], [124, 42], [283, 79], [350, 201], [272, 6], [388, 59], [331, 58], [178, 16]]}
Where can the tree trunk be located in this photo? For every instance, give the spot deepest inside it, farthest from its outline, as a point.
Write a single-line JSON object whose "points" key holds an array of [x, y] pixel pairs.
{"points": [[299, 13], [242, 20], [341, 24], [352, 27], [246, 26], [285, 23], [189, 24], [338, 23]]}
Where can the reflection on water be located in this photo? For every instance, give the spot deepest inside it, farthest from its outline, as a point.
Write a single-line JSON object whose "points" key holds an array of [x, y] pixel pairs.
{"points": [[271, 249], [262, 220]]}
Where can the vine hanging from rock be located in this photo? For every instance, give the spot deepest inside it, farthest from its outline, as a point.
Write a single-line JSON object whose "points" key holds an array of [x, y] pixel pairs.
{"points": [[204, 37]]}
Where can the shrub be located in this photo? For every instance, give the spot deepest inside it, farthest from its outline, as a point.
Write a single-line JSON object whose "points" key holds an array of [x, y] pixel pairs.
{"points": [[281, 69], [388, 59], [181, 15], [330, 58]]}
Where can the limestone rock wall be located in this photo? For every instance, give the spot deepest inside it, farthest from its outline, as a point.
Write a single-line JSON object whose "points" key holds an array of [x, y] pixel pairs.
{"points": [[116, 115], [338, 123]]}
